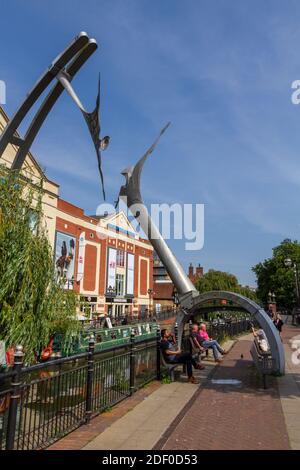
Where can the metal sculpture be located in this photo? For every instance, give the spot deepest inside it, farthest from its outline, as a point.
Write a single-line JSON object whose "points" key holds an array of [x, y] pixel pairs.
{"points": [[62, 70], [92, 120], [130, 194]]}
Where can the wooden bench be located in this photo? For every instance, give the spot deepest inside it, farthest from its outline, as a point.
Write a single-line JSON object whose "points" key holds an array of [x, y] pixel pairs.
{"points": [[263, 361], [171, 367], [196, 352]]}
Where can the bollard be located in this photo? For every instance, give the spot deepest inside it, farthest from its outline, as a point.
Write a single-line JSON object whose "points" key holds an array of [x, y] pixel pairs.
{"points": [[158, 374], [132, 362], [90, 380], [14, 397]]}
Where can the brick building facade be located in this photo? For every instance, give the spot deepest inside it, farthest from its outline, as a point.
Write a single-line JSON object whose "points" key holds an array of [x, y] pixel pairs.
{"points": [[103, 259], [112, 266], [195, 275]]}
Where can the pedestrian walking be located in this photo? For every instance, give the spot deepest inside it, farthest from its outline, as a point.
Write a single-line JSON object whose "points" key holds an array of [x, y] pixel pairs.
{"points": [[278, 323]]}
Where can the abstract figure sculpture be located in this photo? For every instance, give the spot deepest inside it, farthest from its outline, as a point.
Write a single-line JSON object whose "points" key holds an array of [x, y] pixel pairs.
{"points": [[92, 120], [189, 297], [62, 70]]}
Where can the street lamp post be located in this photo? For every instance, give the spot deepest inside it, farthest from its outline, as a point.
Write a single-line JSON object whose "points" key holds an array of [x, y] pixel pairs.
{"points": [[175, 297], [150, 292], [292, 264], [111, 290]]}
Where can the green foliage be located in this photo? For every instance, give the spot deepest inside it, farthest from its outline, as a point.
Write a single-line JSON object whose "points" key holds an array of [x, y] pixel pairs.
{"points": [[32, 305], [165, 379], [219, 280], [272, 274]]}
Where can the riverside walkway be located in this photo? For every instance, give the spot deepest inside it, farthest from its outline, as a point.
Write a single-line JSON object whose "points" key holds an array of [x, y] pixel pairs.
{"points": [[235, 414]]}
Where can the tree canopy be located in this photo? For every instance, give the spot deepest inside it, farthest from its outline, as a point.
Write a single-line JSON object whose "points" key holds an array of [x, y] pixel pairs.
{"points": [[273, 276], [220, 280], [32, 304]]}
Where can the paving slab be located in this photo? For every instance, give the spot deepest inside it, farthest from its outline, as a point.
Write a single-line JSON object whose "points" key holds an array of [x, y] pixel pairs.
{"points": [[224, 416], [143, 426], [289, 388]]}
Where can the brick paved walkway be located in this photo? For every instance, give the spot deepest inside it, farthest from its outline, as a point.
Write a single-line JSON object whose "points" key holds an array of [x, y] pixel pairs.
{"points": [[79, 438], [231, 416]]}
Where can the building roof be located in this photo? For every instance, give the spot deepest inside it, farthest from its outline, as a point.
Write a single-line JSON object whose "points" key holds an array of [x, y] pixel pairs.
{"points": [[30, 162]]}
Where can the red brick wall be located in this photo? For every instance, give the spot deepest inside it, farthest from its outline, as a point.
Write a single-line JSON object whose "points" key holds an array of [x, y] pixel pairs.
{"points": [[89, 280], [103, 261], [143, 277], [136, 275]]}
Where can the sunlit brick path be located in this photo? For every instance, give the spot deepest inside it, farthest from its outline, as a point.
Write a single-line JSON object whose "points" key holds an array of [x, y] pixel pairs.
{"points": [[231, 416]]}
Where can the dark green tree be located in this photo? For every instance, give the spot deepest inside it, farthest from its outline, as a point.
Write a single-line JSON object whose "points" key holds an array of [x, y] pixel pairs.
{"points": [[273, 276], [219, 280], [32, 304]]}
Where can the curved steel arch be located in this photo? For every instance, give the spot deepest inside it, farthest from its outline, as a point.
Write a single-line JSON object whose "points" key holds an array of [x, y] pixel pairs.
{"points": [[69, 61], [253, 308], [189, 297]]}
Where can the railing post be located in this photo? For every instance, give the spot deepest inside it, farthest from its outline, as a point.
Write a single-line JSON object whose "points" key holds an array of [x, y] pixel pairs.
{"points": [[190, 326], [14, 398], [90, 380], [132, 362], [176, 331], [158, 374]]}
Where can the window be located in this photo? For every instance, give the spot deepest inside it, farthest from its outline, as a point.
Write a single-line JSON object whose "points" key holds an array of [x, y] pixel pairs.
{"points": [[121, 258], [120, 284]]}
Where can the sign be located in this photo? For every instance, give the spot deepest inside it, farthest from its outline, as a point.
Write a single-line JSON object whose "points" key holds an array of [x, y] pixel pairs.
{"points": [[111, 268], [65, 258], [130, 274], [108, 322], [112, 300], [81, 253]]}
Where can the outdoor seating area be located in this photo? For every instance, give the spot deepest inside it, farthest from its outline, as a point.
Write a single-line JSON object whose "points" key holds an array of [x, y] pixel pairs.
{"points": [[263, 361]]}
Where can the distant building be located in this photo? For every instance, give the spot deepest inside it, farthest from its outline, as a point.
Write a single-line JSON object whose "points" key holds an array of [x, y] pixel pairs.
{"points": [[194, 276], [164, 291], [163, 287], [252, 288]]}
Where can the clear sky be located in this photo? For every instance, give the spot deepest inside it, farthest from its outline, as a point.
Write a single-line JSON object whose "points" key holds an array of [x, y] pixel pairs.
{"points": [[221, 71]]}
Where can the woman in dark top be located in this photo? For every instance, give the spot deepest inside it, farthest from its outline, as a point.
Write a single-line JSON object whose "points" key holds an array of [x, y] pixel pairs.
{"points": [[278, 323]]}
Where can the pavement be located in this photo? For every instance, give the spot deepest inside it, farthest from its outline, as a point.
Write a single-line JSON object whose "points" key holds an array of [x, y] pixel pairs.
{"points": [[237, 416], [228, 410], [143, 426], [289, 385]]}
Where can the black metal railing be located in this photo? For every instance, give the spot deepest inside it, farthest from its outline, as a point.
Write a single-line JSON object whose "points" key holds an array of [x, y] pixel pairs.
{"points": [[223, 328], [166, 314], [42, 403]]}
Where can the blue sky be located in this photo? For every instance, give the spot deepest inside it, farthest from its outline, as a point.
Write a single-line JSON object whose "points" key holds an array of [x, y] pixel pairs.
{"points": [[220, 71]]}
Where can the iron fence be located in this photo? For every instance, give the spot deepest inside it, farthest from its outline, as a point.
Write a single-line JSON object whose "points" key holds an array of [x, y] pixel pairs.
{"points": [[42, 403], [166, 314]]}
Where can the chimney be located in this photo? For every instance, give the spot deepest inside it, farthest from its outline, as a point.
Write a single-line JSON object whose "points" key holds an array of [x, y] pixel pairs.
{"points": [[191, 271], [199, 270]]}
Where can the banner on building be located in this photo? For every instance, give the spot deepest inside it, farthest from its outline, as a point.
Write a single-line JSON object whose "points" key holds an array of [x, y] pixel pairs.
{"points": [[65, 258], [130, 274], [111, 268], [81, 252]]}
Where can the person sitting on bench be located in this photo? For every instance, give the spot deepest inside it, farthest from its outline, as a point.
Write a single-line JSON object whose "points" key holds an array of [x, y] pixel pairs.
{"points": [[173, 355], [262, 340], [206, 342]]}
